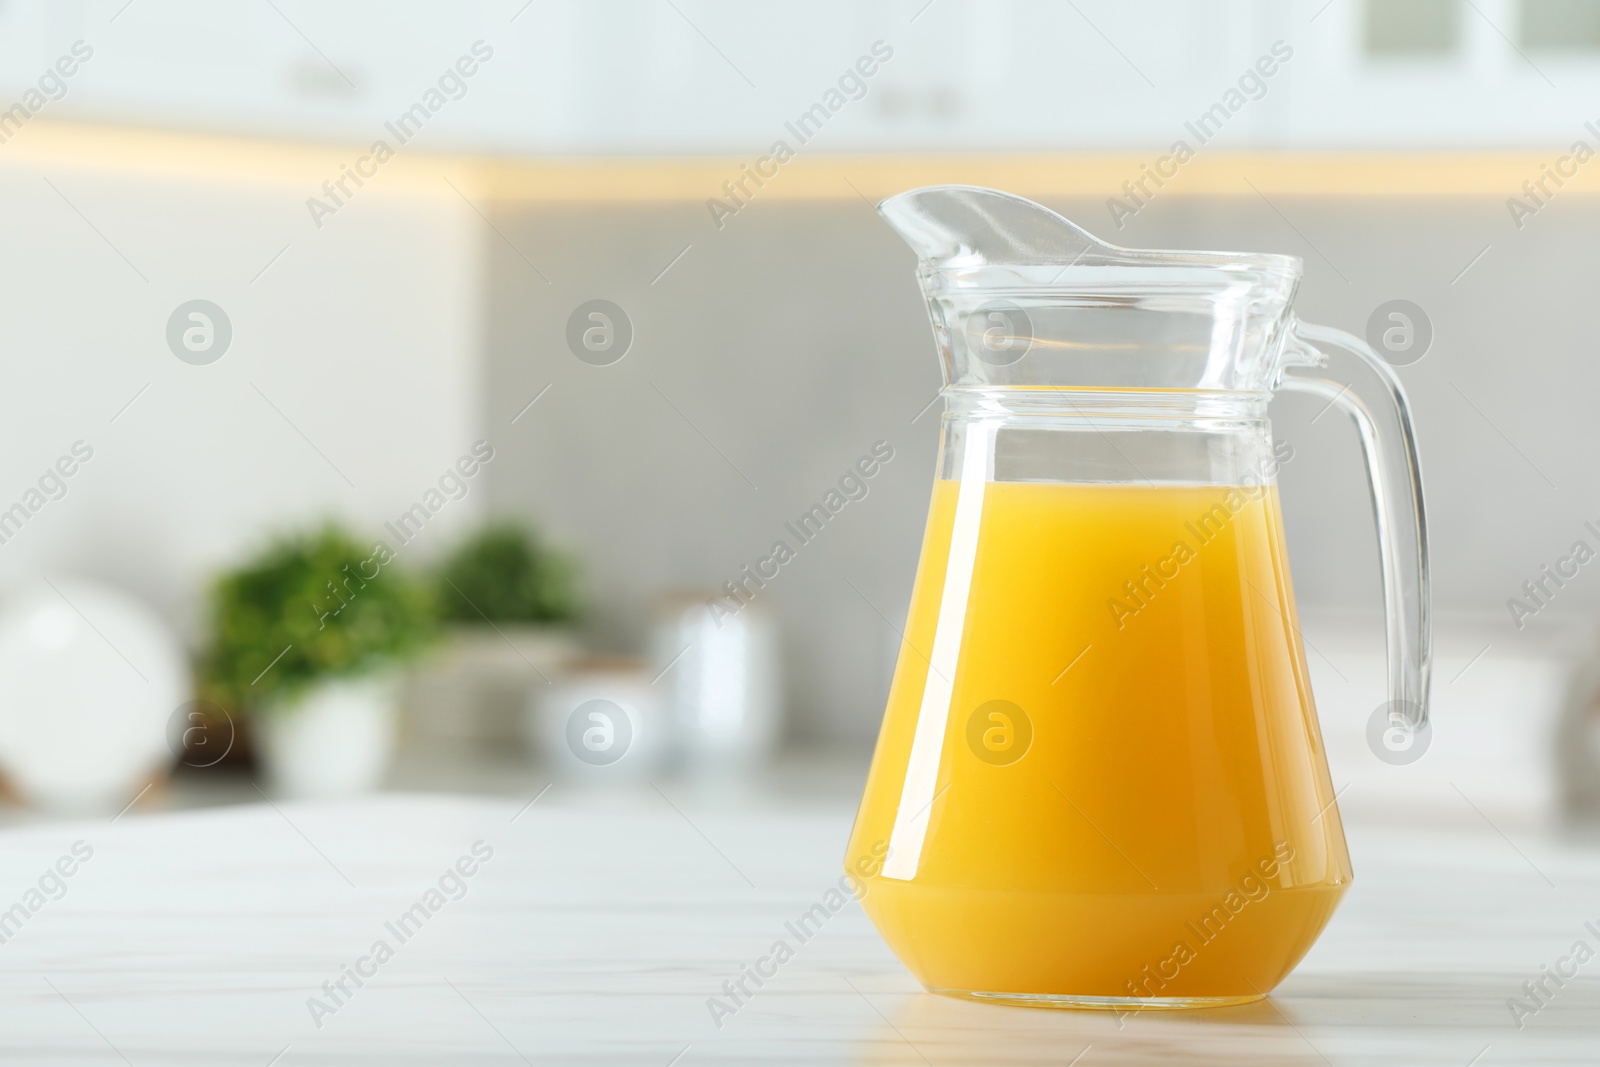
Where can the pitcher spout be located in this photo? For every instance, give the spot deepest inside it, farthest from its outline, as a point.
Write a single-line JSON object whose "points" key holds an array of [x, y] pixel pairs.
{"points": [[969, 226]]}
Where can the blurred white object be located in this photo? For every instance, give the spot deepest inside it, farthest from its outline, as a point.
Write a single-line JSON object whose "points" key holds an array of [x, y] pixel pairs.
{"points": [[718, 679], [600, 721], [1498, 696], [473, 688], [336, 739], [88, 679]]}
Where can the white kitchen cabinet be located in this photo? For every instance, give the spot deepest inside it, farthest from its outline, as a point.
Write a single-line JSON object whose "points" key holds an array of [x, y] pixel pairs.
{"points": [[644, 77]]}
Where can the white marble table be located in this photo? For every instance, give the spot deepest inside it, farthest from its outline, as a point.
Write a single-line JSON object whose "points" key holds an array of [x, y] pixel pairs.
{"points": [[600, 926]]}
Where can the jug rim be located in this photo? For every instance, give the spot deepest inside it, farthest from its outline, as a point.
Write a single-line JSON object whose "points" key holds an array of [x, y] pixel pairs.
{"points": [[942, 249]]}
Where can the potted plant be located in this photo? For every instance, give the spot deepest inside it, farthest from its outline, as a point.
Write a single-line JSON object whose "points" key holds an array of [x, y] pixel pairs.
{"points": [[308, 640], [509, 603]]}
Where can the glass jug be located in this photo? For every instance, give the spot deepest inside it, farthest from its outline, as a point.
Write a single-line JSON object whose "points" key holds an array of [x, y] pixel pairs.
{"points": [[1100, 780]]}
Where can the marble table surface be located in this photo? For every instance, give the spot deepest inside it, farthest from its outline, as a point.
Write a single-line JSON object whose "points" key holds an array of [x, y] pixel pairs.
{"points": [[592, 929]]}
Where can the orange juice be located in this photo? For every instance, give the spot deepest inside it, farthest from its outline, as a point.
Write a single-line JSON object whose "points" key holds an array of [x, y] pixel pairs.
{"points": [[1100, 774]]}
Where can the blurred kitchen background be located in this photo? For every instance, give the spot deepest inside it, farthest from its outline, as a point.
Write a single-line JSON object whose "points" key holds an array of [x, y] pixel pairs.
{"points": [[361, 342]]}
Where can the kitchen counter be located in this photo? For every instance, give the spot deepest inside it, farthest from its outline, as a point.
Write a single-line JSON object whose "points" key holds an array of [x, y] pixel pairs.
{"points": [[592, 929]]}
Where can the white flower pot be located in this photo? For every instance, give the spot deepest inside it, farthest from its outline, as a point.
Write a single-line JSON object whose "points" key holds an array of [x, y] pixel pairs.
{"points": [[336, 739], [470, 690]]}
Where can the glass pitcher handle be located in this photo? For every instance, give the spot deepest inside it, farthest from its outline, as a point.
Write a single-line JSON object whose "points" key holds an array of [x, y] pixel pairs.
{"points": [[1346, 371]]}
